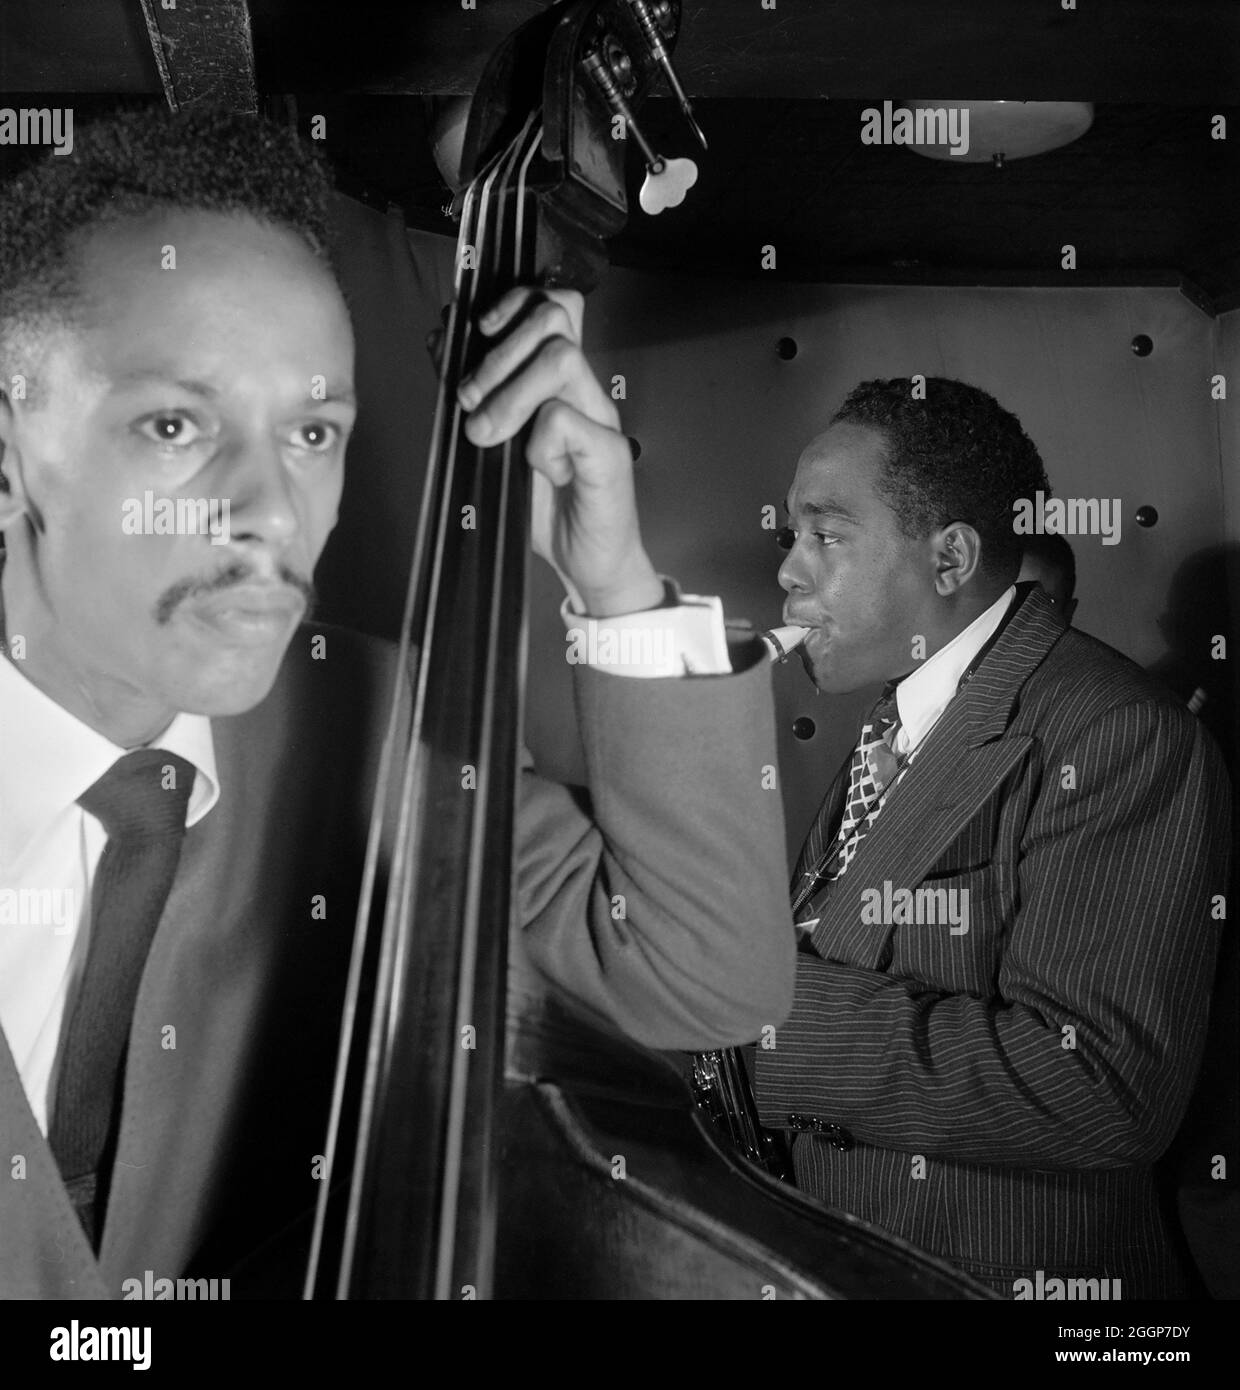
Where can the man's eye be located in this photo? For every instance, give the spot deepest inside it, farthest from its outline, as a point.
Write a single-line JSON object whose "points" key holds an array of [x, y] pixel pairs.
{"points": [[786, 538], [316, 436], [171, 427]]}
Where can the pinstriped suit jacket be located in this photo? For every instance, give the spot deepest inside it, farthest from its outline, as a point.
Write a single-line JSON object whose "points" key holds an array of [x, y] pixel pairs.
{"points": [[1040, 1062]]}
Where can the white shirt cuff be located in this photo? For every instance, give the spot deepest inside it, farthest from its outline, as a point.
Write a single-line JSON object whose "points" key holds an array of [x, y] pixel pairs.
{"points": [[685, 639]]}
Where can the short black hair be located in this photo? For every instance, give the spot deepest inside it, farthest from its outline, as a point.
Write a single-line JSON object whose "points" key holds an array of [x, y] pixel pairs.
{"points": [[127, 164], [955, 455], [1054, 551]]}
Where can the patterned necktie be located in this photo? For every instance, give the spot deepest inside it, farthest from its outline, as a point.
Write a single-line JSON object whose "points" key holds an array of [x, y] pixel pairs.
{"points": [[141, 802], [875, 765]]}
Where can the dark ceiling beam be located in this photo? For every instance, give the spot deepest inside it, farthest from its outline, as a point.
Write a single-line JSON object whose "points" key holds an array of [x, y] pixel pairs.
{"points": [[204, 53], [1184, 52]]}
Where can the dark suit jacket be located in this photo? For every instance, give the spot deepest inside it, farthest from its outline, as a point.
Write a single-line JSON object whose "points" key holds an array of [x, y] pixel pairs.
{"points": [[1039, 1063], [218, 1135]]}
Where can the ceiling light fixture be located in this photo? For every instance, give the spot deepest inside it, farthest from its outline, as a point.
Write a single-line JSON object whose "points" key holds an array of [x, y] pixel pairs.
{"points": [[995, 131]]}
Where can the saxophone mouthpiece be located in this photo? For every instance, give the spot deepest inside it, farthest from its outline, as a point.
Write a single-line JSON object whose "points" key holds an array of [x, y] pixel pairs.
{"points": [[781, 642]]}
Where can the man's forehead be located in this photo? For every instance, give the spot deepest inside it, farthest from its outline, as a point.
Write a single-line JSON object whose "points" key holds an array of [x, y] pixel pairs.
{"points": [[232, 232], [168, 261], [836, 472], [205, 298], [213, 367], [339, 389]]}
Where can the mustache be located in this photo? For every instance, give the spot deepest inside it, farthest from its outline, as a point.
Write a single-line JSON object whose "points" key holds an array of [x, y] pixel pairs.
{"points": [[236, 573]]}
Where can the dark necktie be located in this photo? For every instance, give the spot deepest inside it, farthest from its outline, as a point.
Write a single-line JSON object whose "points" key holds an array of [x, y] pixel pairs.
{"points": [[141, 802]]}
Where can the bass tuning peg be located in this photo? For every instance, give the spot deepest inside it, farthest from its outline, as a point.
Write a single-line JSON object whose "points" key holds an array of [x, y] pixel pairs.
{"points": [[648, 16], [667, 180]]}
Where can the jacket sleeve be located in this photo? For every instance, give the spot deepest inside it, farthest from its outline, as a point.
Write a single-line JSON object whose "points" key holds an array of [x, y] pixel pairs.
{"points": [[655, 898], [1086, 1055]]}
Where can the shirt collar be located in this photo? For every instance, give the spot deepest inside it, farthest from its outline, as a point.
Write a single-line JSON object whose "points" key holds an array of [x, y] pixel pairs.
{"points": [[922, 696], [49, 757]]}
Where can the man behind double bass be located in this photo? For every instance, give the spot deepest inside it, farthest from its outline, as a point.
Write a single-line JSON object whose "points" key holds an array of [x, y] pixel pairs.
{"points": [[1010, 900], [186, 766]]}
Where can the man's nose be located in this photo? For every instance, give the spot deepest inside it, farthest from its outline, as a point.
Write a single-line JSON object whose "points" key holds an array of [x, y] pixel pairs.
{"points": [[264, 501], [791, 578]]}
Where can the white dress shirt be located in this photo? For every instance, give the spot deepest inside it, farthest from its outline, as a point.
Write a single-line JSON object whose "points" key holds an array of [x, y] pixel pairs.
{"points": [[49, 851], [922, 696]]}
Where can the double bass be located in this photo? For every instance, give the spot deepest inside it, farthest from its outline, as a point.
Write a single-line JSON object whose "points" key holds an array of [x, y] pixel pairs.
{"points": [[483, 1142]]}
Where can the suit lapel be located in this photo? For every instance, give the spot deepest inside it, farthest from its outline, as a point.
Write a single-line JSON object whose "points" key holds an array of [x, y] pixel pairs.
{"points": [[191, 1023], [828, 815], [46, 1253], [964, 758], [941, 791]]}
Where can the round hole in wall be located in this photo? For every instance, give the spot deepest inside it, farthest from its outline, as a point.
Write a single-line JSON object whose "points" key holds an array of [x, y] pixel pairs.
{"points": [[804, 727], [634, 448], [1147, 516], [1143, 345], [786, 348]]}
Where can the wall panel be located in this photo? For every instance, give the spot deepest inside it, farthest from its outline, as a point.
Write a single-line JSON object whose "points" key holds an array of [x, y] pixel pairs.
{"points": [[721, 419]]}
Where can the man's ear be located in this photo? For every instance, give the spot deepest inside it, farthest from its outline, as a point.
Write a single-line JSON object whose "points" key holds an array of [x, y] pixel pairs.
{"points": [[12, 485], [957, 552]]}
